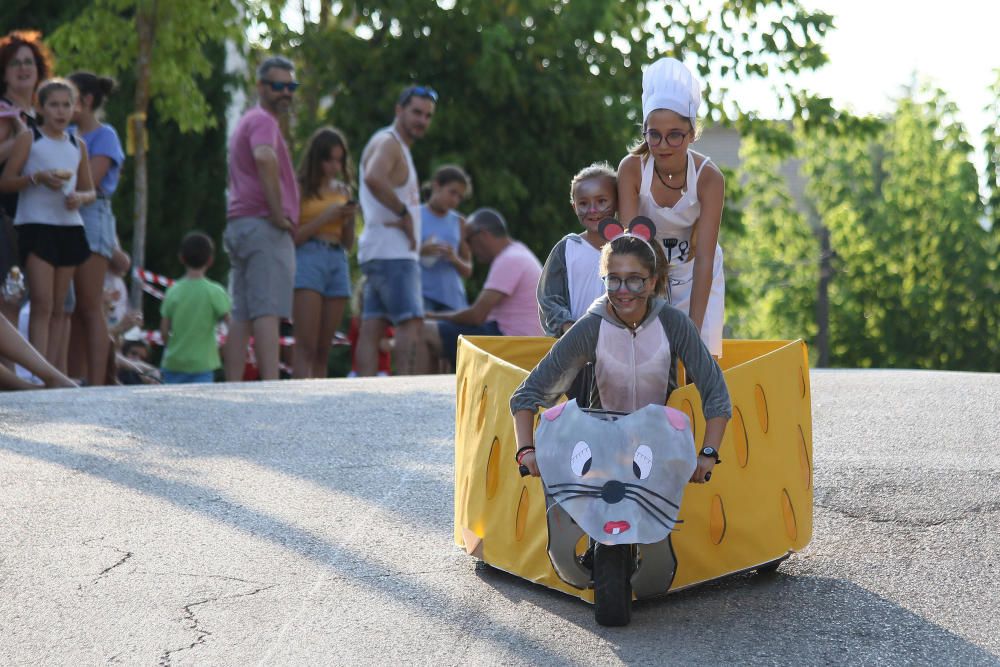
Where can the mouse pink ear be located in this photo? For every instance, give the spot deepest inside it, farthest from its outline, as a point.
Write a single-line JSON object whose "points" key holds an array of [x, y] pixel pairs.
{"points": [[642, 227], [609, 228], [553, 413], [677, 419]]}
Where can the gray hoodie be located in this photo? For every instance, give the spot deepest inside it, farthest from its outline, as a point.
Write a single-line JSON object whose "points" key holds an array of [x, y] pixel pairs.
{"points": [[632, 368], [555, 303]]}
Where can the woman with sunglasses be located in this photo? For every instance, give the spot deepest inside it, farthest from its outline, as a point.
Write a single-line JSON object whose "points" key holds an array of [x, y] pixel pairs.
{"points": [[634, 338], [682, 192]]}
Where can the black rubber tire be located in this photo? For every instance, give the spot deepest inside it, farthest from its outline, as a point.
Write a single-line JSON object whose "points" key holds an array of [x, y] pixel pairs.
{"points": [[612, 584]]}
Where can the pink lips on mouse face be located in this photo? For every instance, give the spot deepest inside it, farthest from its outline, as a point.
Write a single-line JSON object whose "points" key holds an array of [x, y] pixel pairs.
{"points": [[616, 527]]}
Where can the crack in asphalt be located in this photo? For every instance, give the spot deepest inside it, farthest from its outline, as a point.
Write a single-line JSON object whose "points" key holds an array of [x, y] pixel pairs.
{"points": [[195, 625], [200, 576], [121, 561]]}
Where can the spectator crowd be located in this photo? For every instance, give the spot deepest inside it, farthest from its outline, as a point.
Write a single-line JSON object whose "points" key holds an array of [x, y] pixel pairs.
{"points": [[290, 230], [289, 234]]}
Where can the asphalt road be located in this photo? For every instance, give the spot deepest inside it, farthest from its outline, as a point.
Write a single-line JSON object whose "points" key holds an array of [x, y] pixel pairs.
{"points": [[310, 523]]}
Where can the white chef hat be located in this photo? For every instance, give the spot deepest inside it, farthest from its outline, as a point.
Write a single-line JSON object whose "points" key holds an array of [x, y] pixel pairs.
{"points": [[668, 84]]}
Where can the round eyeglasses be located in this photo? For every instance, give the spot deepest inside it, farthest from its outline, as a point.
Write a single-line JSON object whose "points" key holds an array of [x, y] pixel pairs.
{"points": [[674, 138], [633, 284]]}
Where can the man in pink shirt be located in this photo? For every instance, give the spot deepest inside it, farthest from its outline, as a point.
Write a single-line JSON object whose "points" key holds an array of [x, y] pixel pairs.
{"points": [[507, 305], [262, 214]]}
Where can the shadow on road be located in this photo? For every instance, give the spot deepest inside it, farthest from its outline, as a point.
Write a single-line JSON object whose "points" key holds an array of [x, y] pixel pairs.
{"points": [[754, 618]]}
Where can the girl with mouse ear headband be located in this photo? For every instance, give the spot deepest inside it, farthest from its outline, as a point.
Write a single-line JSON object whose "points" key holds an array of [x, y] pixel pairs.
{"points": [[681, 192], [634, 339], [638, 240]]}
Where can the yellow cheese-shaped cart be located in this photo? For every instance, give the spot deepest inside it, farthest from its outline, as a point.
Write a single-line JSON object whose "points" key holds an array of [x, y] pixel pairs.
{"points": [[755, 511]]}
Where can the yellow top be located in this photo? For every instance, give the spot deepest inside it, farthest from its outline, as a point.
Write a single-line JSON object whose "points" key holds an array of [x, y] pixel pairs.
{"points": [[313, 207]]}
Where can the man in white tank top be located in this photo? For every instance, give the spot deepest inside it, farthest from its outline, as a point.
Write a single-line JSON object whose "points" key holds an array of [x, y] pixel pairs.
{"points": [[387, 250]]}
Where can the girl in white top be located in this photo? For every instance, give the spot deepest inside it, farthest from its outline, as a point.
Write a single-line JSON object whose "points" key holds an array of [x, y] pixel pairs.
{"points": [[682, 192], [571, 279], [49, 167]]}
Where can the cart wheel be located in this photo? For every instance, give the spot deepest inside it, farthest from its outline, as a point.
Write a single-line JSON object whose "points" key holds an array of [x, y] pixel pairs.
{"points": [[772, 566], [612, 584]]}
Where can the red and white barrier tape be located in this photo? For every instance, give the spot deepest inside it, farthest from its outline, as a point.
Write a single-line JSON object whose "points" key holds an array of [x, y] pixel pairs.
{"points": [[154, 337], [149, 289], [150, 277]]}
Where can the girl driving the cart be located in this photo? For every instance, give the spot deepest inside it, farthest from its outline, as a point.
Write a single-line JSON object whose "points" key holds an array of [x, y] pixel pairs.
{"points": [[634, 338]]}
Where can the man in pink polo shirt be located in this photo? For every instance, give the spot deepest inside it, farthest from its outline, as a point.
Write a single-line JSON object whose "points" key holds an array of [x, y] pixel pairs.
{"points": [[262, 214], [507, 305]]}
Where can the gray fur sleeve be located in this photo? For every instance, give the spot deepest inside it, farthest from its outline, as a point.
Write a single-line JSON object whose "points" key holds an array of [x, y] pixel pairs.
{"points": [[553, 292], [556, 371], [698, 362]]}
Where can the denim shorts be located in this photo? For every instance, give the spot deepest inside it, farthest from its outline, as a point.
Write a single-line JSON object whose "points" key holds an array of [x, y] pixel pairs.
{"points": [[262, 268], [322, 268], [180, 377], [392, 290], [99, 224]]}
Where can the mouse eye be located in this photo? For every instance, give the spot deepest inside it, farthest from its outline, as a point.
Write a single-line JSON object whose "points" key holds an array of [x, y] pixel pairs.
{"points": [[642, 462], [580, 462]]}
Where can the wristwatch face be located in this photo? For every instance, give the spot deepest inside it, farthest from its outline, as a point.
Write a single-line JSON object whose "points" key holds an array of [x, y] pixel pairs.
{"points": [[709, 451]]}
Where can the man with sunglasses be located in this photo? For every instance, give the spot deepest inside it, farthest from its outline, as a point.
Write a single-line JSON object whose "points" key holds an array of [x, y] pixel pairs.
{"points": [[387, 249], [262, 213]]}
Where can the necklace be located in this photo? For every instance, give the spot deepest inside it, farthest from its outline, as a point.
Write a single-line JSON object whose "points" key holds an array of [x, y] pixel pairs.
{"points": [[630, 327], [671, 176]]}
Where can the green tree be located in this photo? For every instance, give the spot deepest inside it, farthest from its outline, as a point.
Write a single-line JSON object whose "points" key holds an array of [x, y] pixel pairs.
{"points": [[775, 262], [162, 43], [41, 15], [841, 193], [531, 91], [991, 137], [909, 274], [931, 238], [903, 214]]}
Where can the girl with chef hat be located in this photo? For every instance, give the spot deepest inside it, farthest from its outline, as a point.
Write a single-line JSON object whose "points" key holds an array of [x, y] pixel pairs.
{"points": [[682, 192]]}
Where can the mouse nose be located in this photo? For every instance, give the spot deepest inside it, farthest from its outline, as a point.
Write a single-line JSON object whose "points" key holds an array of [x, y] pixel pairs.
{"points": [[613, 491]]}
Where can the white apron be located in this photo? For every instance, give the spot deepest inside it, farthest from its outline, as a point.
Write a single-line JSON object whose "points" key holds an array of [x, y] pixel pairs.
{"points": [[583, 277], [674, 226]]}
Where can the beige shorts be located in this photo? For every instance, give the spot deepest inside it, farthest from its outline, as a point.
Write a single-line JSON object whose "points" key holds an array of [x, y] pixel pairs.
{"points": [[262, 268]]}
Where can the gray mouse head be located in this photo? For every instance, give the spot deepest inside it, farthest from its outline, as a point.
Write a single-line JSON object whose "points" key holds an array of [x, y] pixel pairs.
{"points": [[621, 479]]}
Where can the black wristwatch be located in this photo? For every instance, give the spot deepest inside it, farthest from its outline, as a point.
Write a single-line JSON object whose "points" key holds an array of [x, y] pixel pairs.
{"points": [[403, 211], [710, 451]]}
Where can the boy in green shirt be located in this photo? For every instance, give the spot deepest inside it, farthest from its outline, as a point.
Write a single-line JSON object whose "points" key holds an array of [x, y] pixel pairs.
{"points": [[191, 309]]}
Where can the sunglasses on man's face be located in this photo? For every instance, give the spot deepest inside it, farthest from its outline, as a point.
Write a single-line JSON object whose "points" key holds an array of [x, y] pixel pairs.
{"points": [[278, 86]]}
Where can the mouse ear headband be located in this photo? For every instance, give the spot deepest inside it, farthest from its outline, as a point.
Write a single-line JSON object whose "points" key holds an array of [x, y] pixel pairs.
{"points": [[641, 228]]}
